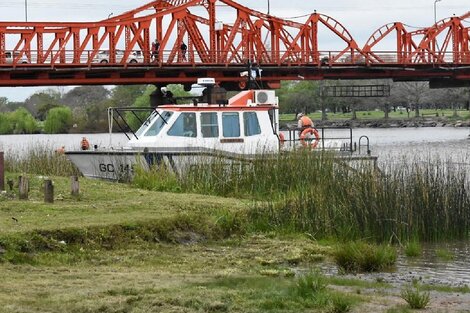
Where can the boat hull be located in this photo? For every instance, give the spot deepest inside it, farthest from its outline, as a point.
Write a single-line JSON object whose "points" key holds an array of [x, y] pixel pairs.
{"points": [[121, 165]]}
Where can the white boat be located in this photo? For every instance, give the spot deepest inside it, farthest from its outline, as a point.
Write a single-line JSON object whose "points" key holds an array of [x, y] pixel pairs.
{"points": [[244, 127]]}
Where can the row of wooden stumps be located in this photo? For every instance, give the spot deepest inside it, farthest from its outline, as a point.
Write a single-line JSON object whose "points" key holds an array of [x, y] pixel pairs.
{"points": [[23, 188], [23, 185]]}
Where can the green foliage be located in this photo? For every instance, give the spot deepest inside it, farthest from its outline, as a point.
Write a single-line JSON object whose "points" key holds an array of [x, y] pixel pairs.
{"points": [[17, 122], [40, 102], [42, 160], [341, 303], [415, 298], [309, 285], [59, 120], [413, 249], [444, 254], [308, 192], [158, 178], [299, 96], [6, 126], [364, 257], [142, 101], [124, 96]]}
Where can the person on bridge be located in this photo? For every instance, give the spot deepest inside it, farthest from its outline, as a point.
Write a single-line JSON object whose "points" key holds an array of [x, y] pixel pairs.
{"points": [[183, 48], [155, 50], [84, 144]]}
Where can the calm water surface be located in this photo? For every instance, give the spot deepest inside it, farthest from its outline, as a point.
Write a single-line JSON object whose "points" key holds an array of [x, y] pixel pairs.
{"points": [[389, 145]]}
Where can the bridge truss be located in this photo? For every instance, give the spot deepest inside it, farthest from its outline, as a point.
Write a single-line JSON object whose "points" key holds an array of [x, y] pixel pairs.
{"points": [[118, 50]]}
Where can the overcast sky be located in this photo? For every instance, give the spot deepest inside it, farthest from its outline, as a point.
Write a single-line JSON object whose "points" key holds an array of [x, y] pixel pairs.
{"points": [[360, 17]]}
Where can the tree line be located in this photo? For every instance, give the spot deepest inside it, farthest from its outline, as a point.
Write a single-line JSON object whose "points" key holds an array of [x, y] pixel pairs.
{"points": [[306, 96], [84, 108]]}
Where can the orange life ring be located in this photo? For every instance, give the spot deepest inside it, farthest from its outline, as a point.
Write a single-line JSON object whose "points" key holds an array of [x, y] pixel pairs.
{"points": [[311, 131], [282, 139]]}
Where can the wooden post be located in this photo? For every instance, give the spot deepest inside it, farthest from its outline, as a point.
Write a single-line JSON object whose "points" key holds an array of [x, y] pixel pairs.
{"points": [[48, 191], [75, 186], [23, 188], [2, 171]]}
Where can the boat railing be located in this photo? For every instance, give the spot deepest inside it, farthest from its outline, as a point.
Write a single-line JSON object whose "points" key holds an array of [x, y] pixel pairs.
{"points": [[119, 116], [333, 138]]}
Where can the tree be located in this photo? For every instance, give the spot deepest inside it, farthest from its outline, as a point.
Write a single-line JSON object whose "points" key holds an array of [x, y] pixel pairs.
{"points": [[414, 93], [84, 96], [59, 120], [125, 96], [40, 102], [6, 126], [135, 121], [22, 122], [299, 96]]}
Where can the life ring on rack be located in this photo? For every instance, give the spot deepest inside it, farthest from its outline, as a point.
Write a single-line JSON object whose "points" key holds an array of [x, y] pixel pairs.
{"points": [[282, 139], [305, 133]]}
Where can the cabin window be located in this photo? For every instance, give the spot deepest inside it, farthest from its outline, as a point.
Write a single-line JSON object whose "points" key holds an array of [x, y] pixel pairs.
{"points": [[184, 126], [209, 125], [251, 124], [157, 126], [231, 125]]}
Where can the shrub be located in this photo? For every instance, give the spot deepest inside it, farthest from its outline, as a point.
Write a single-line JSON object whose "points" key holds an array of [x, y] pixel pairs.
{"points": [[413, 249], [21, 122], [58, 120], [158, 178], [364, 257], [311, 284], [341, 303], [415, 298]]}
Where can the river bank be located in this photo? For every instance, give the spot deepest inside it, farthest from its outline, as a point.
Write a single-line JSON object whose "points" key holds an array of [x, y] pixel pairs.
{"points": [[170, 252], [387, 123]]}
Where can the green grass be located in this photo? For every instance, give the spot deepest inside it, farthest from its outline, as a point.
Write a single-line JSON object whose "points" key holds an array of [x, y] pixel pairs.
{"points": [[412, 249], [415, 298], [315, 194], [363, 257], [444, 254], [41, 160]]}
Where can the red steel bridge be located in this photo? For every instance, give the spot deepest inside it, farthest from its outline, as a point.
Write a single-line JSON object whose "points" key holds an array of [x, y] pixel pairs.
{"points": [[118, 50]]}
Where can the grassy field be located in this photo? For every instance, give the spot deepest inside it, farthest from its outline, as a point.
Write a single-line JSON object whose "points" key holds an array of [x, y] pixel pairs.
{"points": [[124, 249], [121, 249], [249, 242]]}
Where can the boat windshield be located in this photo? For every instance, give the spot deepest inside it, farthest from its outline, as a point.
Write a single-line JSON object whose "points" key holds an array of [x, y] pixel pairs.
{"points": [[156, 121]]}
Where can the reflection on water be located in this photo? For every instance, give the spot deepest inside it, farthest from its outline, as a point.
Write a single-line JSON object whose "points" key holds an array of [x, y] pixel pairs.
{"points": [[390, 145]]}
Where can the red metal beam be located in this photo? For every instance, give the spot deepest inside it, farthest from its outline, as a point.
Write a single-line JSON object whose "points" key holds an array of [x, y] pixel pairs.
{"points": [[41, 49]]}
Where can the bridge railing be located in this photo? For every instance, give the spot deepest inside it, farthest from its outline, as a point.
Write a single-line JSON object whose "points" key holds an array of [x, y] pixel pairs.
{"points": [[125, 58]]}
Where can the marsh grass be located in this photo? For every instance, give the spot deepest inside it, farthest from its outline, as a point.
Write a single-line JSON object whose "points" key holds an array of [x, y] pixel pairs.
{"points": [[364, 257], [413, 249], [318, 194], [444, 254], [415, 298], [311, 284], [42, 160]]}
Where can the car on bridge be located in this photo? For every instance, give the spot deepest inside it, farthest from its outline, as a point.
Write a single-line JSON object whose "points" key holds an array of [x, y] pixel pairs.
{"points": [[11, 56], [103, 57]]}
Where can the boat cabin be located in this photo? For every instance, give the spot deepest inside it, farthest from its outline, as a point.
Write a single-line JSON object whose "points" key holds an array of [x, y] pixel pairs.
{"points": [[246, 125]]}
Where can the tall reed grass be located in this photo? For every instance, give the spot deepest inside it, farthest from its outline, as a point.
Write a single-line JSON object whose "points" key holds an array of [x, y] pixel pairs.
{"points": [[318, 194], [42, 160]]}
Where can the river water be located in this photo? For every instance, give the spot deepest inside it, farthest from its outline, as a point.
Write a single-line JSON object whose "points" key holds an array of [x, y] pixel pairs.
{"points": [[390, 145]]}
